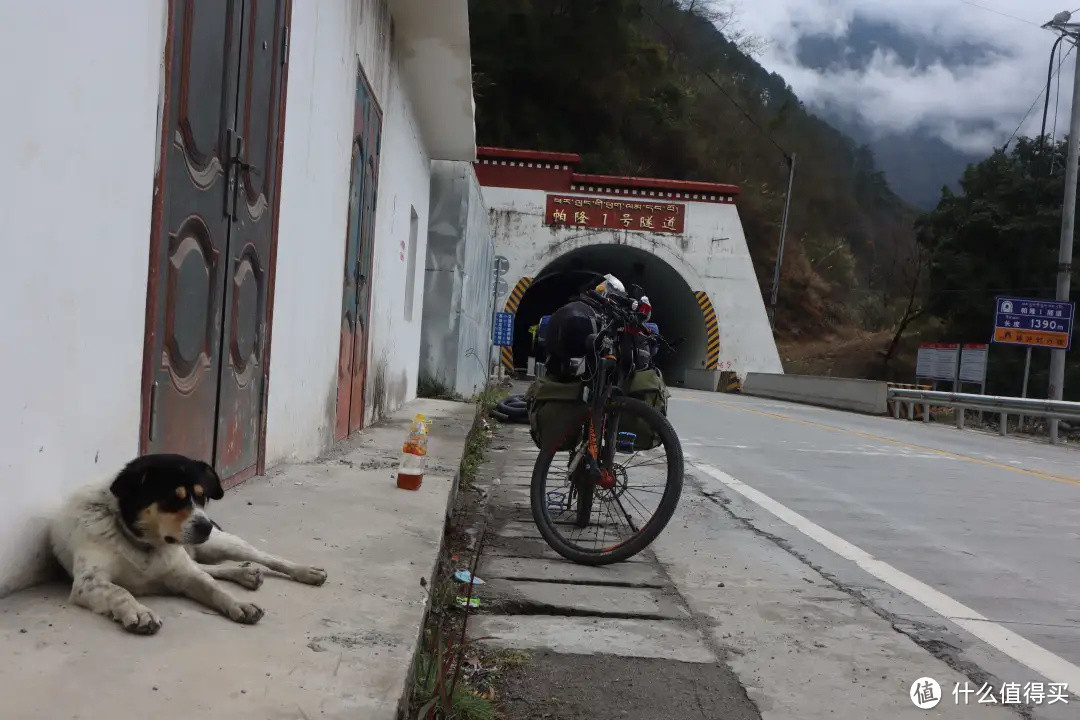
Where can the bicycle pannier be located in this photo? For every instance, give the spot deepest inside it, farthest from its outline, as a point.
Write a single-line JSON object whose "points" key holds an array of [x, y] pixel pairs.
{"points": [[553, 406], [649, 387]]}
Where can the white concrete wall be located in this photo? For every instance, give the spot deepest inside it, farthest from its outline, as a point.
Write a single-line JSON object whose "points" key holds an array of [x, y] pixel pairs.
{"points": [[711, 255], [311, 230], [455, 340], [81, 135], [404, 180], [328, 39], [477, 299], [865, 396], [80, 139]]}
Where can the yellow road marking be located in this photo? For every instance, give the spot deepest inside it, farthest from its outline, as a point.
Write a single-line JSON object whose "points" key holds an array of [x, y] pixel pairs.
{"points": [[944, 453]]}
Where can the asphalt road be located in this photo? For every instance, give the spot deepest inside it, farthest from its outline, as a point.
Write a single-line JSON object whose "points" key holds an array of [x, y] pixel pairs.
{"points": [[970, 520]]}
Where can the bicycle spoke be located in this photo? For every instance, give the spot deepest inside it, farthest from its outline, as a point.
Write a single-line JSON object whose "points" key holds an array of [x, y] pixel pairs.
{"points": [[636, 498]]}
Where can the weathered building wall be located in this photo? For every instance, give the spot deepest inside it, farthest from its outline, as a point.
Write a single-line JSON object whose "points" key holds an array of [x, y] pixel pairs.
{"points": [[82, 134], [401, 222], [455, 344], [328, 40]]}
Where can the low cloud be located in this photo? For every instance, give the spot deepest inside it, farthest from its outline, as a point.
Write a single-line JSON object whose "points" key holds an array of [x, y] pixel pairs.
{"points": [[971, 100]]}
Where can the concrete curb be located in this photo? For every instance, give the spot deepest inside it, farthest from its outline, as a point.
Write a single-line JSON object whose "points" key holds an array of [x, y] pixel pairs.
{"points": [[403, 700]]}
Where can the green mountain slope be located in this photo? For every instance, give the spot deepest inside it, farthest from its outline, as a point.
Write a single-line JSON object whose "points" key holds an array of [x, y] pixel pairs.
{"points": [[621, 83]]}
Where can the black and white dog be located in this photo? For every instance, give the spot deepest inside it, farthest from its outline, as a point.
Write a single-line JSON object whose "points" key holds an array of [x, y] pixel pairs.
{"points": [[148, 534]]}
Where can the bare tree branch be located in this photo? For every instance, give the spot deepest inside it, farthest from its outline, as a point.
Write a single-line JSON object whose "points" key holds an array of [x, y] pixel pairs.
{"points": [[724, 15], [914, 308]]}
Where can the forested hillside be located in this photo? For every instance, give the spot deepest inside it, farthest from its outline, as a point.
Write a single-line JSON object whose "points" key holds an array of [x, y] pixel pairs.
{"points": [[629, 84], [998, 236]]}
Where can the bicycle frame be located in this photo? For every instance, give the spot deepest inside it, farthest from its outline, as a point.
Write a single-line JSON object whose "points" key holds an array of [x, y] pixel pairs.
{"points": [[613, 356]]}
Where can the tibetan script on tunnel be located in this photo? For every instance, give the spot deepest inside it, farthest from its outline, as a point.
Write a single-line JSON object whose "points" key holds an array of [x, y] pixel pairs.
{"points": [[636, 215]]}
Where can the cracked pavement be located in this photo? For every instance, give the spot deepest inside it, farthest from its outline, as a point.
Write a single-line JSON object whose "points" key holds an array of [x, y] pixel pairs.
{"points": [[987, 523], [748, 613]]}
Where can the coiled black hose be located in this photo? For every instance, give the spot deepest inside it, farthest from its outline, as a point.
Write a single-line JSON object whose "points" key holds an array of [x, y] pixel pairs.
{"points": [[513, 409]]}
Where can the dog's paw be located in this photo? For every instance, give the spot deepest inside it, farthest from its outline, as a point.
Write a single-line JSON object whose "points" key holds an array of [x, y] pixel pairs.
{"points": [[250, 577], [310, 575], [140, 621], [245, 613]]}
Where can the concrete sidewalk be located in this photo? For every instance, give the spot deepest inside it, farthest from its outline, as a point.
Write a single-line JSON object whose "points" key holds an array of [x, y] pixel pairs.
{"points": [[342, 650]]}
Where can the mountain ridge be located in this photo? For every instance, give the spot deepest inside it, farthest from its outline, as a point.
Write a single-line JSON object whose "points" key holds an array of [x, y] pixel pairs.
{"points": [[667, 94], [916, 160]]}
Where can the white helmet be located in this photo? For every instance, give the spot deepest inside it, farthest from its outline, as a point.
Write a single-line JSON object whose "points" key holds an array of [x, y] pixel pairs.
{"points": [[610, 283]]}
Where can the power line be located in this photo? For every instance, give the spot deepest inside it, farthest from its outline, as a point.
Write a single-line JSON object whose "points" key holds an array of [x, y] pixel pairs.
{"points": [[714, 81], [1049, 79], [1057, 102], [1036, 102], [1002, 14]]}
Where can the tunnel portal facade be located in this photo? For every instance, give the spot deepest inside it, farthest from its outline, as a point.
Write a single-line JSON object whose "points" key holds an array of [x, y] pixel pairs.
{"points": [[681, 241]]}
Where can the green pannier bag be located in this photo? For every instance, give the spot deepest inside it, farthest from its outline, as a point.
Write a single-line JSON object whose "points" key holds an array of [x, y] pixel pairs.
{"points": [[647, 386], [553, 406]]}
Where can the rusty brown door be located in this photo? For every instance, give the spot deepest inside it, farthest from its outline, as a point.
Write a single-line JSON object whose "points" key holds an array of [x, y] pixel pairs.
{"points": [[212, 259], [359, 244], [250, 201]]}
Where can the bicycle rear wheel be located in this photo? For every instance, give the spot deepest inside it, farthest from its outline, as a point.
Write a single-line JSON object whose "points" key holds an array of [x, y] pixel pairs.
{"points": [[623, 518]]}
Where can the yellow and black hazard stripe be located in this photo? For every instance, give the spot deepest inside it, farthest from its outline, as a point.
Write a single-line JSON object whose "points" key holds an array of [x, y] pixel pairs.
{"points": [[512, 303], [712, 331], [890, 404]]}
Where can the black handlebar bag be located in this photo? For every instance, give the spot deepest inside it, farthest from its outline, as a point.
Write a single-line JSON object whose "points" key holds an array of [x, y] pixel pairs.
{"points": [[567, 337]]}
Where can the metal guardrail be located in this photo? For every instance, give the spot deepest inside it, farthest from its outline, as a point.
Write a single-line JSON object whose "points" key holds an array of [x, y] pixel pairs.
{"points": [[1003, 406], [892, 403]]}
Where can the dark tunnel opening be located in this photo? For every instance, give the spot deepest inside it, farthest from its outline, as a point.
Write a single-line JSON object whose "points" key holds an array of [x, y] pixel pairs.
{"points": [[675, 309]]}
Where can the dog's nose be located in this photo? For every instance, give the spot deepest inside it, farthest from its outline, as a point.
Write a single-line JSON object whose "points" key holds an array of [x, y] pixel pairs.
{"points": [[202, 527]]}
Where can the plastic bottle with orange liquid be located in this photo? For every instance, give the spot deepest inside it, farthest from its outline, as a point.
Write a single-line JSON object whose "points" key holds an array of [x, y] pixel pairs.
{"points": [[414, 455]]}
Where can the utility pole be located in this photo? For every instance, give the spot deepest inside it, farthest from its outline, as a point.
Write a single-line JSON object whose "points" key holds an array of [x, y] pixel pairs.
{"points": [[1068, 225], [783, 236]]}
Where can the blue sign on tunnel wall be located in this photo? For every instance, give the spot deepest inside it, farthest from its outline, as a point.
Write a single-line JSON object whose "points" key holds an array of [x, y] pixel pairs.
{"points": [[503, 331]]}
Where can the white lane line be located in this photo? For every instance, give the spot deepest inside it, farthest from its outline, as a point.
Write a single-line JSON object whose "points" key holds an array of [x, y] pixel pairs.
{"points": [[1054, 668]]}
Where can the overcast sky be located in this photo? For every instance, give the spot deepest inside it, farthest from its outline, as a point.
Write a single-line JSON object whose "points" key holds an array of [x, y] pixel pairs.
{"points": [[972, 106]]}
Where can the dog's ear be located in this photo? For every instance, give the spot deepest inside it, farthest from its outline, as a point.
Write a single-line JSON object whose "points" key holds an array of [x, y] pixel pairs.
{"points": [[129, 482], [211, 482]]}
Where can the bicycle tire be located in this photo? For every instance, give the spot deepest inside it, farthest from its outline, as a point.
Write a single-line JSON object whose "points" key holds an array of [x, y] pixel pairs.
{"points": [[652, 529]]}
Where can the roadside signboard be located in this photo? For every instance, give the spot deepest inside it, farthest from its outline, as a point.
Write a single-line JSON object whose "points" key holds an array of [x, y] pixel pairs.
{"points": [[1034, 323], [937, 361], [503, 331], [924, 361], [973, 363]]}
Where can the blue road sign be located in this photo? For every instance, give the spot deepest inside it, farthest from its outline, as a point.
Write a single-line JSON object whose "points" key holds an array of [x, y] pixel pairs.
{"points": [[1038, 323], [503, 332]]}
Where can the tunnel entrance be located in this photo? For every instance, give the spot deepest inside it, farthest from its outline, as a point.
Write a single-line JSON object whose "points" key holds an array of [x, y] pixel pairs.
{"points": [[675, 308]]}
